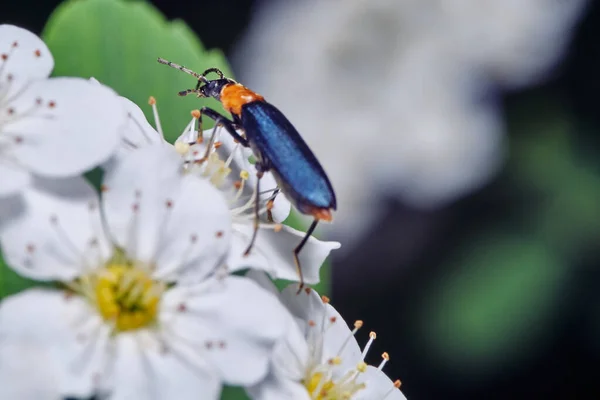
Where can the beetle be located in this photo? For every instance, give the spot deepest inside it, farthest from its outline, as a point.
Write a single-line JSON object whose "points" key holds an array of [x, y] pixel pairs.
{"points": [[276, 145]]}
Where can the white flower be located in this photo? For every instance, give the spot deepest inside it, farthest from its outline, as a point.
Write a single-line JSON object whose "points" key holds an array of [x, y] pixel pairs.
{"points": [[230, 170], [319, 358], [148, 312], [53, 127]]}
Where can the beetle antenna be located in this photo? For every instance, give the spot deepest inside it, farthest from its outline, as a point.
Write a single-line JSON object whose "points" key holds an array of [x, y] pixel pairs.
{"points": [[184, 69], [215, 70]]}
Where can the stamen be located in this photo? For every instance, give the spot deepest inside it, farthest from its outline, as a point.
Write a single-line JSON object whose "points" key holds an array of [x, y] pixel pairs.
{"points": [[152, 102], [396, 386], [386, 358], [372, 337]]}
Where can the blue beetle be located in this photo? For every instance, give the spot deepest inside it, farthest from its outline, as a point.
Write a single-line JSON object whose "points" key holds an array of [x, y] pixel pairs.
{"points": [[276, 144]]}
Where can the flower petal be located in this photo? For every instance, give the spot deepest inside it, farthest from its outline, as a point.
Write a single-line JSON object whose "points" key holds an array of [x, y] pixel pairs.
{"points": [[14, 178], [163, 216], [273, 252], [277, 388], [144, 370], [27, 59], [338, 340], [55, 231], [27, 371], [232, 322], [378, 386], [70, 117], [71, 335]]}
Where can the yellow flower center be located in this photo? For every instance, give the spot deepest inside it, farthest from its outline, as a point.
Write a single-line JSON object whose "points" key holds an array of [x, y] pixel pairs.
{"points": [[124, 294], [321, 386]]}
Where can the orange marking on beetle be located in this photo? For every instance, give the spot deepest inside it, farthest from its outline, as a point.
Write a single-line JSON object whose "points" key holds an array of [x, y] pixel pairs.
{"points": [[234, 96], [323, 214]]}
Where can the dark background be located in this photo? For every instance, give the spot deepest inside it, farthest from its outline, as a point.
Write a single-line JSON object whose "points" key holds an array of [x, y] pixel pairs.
{"points": [[568, 364]]}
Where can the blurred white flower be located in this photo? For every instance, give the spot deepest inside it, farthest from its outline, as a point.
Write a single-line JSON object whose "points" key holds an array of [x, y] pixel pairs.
{"points": [[319, 358], [228, 168], [42, 118], [148, 311], [398, 96]]}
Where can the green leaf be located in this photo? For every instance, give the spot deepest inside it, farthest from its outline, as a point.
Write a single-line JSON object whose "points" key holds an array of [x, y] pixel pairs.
{"points": [[118, 42], [11, 282], [494, 305], [233, 393]]}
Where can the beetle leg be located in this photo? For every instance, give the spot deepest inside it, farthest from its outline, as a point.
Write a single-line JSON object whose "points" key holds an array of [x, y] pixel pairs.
{"points": [[270, 203], [299, 248], [259, 175], [226, 123]]}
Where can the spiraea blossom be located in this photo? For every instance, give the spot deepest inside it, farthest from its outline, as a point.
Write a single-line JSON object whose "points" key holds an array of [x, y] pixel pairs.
{"points": [[144, 308], [227, 166], [319, 358], [51, 127]]}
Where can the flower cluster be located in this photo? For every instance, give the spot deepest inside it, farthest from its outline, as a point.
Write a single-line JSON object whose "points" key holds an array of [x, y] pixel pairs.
{"points": [[148, 293]]}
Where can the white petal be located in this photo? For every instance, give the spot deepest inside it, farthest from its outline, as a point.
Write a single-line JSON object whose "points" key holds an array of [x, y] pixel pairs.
{"points": [[277, 388], [142, 370], [67, 126], [161, 215], [291, 354], [13, 178], [27, 371], [56, 232], [338, 340], [68, 330], [23, 63], [273, 252], [232, 322], [378, 386]]}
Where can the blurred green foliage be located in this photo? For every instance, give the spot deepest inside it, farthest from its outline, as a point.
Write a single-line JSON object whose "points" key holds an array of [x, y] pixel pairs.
{"points": [[503, 290], [118, 43]]}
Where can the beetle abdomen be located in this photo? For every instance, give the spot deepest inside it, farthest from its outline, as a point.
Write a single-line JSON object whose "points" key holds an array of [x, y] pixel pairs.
{"points": [[299, 173]]}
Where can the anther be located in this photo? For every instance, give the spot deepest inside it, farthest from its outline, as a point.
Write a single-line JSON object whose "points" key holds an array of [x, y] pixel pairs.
{"points": [[386, 358], [307, 290], [218, 144], [325, 299], [358, 324], [334, 361], [195, 114], [244, 174], [397, 383], [361, 367], [237, 184], [182, 148], [277, 228], [151, 100]]}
